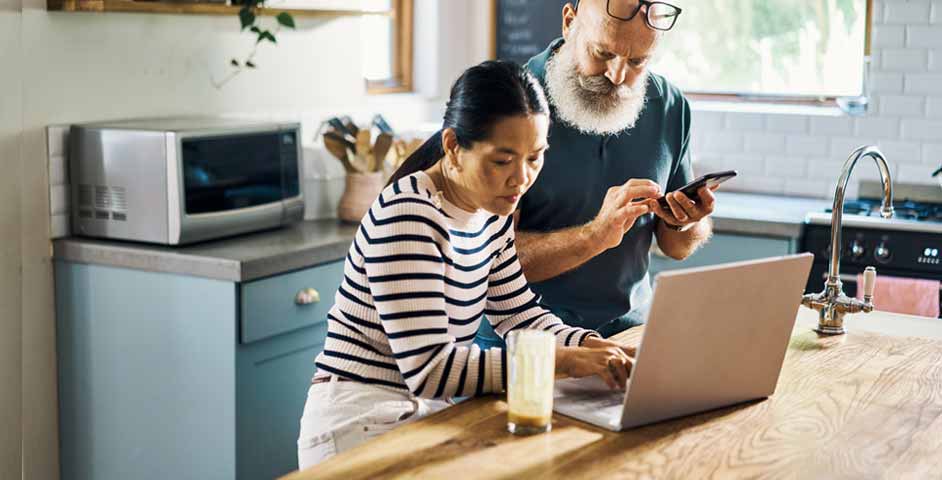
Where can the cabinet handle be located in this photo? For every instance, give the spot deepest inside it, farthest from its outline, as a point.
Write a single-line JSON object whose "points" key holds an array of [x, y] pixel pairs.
{"points": [[307, 296]]}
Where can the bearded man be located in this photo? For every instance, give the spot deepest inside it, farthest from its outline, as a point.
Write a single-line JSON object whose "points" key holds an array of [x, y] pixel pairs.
{"points": [[619, 140]]}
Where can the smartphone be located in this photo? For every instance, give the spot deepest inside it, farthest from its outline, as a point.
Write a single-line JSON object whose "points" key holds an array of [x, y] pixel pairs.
{"points": [[708, 180]]}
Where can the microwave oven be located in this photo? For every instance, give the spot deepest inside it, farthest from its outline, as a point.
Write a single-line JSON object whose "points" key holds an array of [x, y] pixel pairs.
{"points": [[175, 181]]}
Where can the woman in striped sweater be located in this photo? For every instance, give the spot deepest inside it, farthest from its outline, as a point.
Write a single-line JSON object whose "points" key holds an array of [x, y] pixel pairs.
{"points": [[432, 259]]}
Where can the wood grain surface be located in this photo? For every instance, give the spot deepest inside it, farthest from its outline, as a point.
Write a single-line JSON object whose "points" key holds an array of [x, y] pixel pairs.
{"points": [[862, 405]]}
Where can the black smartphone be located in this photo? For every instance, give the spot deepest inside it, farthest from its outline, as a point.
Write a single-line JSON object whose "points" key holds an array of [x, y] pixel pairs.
{"points": [[708, 180]]}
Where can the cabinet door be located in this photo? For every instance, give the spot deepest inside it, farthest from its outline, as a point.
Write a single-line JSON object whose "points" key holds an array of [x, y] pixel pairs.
{"points": [[725, 248], [272, 382], [275, 363]]}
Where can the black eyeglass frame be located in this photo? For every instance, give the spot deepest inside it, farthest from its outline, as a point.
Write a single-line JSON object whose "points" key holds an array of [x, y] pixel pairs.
{"points": [[647, 20]]}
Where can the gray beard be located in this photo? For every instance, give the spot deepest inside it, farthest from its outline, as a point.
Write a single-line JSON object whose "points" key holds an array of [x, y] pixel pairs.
{"points": [[593, 105]]}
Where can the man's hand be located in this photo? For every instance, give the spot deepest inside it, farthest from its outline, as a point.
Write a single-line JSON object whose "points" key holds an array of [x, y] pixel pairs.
{"points": [[621, 207], [683, 210]]}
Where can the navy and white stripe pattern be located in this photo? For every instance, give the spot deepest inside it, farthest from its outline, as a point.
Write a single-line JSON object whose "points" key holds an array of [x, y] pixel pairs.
{"points": [[418, 279]]}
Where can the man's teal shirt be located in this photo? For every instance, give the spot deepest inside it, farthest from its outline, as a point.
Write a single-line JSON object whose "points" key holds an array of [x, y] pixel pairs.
{"points": [[578, 170]]}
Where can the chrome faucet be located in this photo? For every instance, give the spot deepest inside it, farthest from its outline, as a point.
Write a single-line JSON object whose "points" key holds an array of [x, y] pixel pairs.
{"points": [[832, 304]]}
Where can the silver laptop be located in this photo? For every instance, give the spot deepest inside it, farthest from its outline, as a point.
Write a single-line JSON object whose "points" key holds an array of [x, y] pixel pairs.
{"points": [[715, 336]]}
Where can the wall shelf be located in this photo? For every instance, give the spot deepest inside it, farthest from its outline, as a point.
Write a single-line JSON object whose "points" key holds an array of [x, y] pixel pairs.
{"points": [[131, 6]]}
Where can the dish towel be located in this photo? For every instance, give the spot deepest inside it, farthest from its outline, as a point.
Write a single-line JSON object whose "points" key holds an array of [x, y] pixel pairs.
{"points": [[912, 296]]}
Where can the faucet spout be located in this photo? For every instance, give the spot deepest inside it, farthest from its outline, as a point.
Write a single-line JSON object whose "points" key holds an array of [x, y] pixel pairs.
{"points": [[832, 304]]}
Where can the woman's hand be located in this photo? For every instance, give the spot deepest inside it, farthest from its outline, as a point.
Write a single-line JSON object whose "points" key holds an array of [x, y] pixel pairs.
{"points": [[611, 363]]}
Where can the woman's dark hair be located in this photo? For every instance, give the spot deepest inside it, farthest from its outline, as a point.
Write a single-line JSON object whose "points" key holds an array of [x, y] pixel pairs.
{"points": [[482, 95]]}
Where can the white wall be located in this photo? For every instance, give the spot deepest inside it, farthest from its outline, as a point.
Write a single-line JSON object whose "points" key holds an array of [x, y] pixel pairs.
{"points": [[799, 154], [61, 68], [10, 325]]}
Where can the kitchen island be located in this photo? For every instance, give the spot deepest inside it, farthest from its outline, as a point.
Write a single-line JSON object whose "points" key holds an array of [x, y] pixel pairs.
{"points": [[861, 405]]}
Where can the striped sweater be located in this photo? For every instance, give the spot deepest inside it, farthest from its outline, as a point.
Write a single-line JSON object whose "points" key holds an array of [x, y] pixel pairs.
{"points": [[419, 277]]}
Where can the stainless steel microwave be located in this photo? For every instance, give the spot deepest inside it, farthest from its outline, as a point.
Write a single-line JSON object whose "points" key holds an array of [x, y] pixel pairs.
{"points": [[174, 181]]}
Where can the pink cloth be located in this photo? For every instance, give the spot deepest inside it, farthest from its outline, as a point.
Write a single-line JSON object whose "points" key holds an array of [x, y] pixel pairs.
{"points": [[911, 296]]}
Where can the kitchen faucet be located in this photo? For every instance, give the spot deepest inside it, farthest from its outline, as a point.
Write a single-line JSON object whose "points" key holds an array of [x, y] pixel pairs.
{"points": [[832, 304]]}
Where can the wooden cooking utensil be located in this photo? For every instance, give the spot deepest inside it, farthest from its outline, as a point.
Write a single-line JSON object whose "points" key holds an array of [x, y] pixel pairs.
{"points": [[380, 149]]}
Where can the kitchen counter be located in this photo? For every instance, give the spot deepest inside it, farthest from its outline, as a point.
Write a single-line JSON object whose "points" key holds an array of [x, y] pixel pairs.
{"points": [[238, 259], [766, 215], [253, 256], [861, 405]]}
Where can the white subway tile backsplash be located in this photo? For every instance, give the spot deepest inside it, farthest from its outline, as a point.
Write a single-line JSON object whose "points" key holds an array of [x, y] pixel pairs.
{"points": [[902, 105], [935, 60], [57, 138], [765, 142], [881, 82], [708, 121], [832, 125], [905, 59], [919, 36], [745, 163], [59, 199], [745, 121], [57, 171], [915, 12], [805, 145], [724, 142], [841, 147], [787, 123], [934, 107], [928, 83], [932, 154], [889, 36], [786, 167], [757, 184], [915, 129], [936, 12], [808, 188], [59, 226], [921, 174], [901, 152], [877, 127]]}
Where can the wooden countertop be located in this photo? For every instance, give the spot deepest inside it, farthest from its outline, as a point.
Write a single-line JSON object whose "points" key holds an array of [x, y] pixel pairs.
{"points": [[862, 405]]}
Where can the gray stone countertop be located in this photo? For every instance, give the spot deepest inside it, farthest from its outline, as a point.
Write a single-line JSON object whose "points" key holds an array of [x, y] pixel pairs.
{"points": [[238, 259], [306, 244]]}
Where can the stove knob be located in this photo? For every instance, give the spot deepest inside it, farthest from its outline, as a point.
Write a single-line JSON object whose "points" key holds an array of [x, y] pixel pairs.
{"points": [[857, 249], [882, 253]]}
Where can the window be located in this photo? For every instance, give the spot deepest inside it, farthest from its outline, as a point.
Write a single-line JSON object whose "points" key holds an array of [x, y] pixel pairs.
{"points": [[781, 49], [387, 46]]}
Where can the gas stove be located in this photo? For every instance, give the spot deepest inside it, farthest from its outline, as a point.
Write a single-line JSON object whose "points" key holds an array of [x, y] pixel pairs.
{"points": [[908, 245]]}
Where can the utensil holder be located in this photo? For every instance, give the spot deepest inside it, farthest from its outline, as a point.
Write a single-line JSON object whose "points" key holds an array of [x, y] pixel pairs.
{"points": [[359, 193]]}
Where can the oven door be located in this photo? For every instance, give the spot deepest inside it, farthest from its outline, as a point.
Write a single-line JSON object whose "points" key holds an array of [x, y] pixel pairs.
{"points": [[236, 182], [819, 273]]}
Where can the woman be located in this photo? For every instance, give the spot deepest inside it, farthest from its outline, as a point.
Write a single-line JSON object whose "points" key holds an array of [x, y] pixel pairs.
{"points": [[433, 257]]}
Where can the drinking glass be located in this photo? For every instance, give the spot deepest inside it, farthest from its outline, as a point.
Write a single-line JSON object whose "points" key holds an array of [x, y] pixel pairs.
{"points": [[531, 358]]}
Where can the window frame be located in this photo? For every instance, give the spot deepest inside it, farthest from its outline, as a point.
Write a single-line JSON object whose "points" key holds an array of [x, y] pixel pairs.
{"points": [[806, 100], [403, 60]]}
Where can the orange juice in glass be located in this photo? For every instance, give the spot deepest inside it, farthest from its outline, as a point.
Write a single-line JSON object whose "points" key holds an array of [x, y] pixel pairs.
{"points": [[531, 358]]}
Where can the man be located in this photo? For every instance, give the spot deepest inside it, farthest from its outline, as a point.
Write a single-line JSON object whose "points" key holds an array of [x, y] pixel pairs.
{"points": [[619, 140]]}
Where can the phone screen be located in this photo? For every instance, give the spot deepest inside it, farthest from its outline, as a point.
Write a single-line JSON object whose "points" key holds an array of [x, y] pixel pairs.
{"points": [[708, 180]]}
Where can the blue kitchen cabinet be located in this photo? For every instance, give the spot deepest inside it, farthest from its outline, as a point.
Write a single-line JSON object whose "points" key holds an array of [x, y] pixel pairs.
{"points": [[169, 376], [724, 248]]}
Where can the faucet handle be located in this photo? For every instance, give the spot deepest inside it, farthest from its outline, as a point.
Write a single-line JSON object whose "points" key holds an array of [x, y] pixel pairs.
{"points": [[869, 283]]}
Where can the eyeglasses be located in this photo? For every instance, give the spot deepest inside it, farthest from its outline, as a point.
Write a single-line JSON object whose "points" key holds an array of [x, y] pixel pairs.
{"points": [[658, 15]]}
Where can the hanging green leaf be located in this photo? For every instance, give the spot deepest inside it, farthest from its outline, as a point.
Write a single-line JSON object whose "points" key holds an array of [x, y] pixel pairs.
{"points": [[285, 19], [247, 17], [234, 62], [255, 29], [249, 64], [266, 35]]}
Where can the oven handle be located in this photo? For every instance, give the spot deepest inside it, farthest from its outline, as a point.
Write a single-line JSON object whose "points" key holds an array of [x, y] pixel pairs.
{"points": [[848, 278]]}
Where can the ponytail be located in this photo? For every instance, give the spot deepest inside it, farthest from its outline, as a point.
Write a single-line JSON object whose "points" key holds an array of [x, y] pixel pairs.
{"points": [[423, 158]]}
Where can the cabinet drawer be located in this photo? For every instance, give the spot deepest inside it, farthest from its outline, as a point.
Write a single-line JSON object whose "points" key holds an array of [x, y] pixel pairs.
{"points": [[268, 306]]}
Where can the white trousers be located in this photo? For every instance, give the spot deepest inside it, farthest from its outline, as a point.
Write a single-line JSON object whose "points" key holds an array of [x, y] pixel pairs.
{"points": [[341, 415]]}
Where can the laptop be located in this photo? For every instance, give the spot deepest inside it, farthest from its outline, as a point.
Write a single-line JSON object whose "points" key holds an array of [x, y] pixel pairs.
{"points": [[715, 336]]}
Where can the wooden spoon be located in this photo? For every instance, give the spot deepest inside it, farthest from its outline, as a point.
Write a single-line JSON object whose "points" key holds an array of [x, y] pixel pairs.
{"points": [[381, 148]]}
